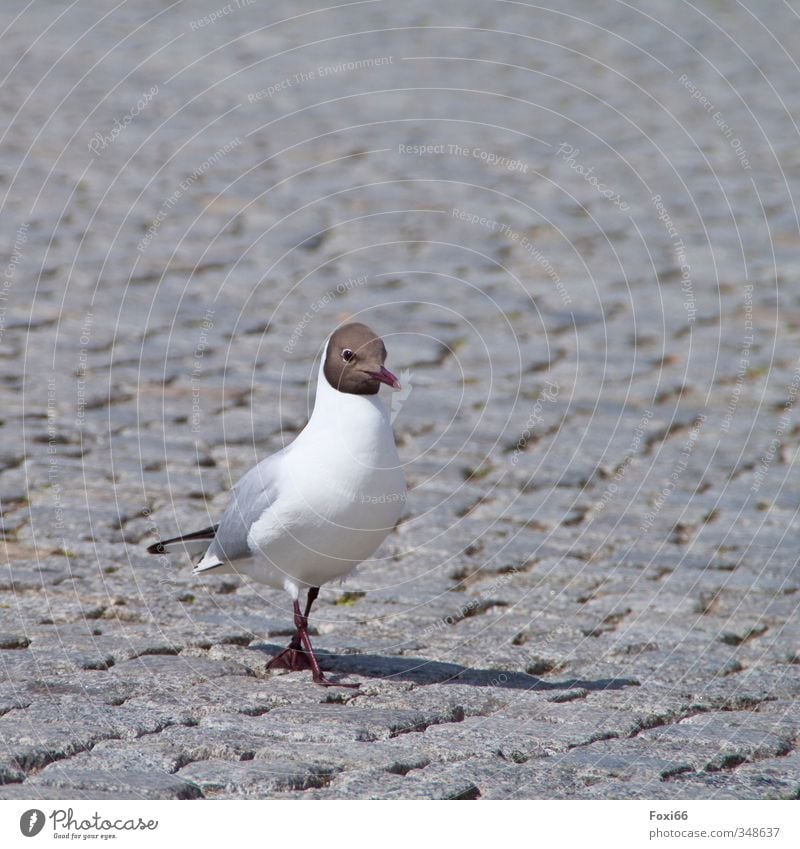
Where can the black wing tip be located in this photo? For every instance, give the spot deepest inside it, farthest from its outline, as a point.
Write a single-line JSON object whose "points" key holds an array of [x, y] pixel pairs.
{"points": [[160, 547]]}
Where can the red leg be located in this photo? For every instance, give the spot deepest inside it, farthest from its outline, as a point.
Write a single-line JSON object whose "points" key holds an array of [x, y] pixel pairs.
{"points": [[299, 654], [293, 657]]}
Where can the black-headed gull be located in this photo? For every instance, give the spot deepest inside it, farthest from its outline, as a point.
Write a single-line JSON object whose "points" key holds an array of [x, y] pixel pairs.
{"points": [[312, 512]]}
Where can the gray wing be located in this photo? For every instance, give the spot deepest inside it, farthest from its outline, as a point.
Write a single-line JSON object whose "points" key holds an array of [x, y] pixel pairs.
{"points": [[255, 491]]}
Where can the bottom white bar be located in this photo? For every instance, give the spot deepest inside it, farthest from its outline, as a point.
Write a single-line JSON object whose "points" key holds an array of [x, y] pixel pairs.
{"points": [[372, 824]]}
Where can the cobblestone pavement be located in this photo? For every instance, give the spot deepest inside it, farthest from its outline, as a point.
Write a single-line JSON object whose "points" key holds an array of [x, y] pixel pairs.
{"points": [[576, 230]]}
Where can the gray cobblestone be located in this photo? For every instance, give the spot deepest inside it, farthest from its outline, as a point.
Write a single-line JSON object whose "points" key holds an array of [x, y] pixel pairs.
{"points": [[593, 590]]}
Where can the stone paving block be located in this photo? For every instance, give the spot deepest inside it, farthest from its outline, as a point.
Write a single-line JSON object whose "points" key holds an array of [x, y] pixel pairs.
{"points": [[249, 779], [397, 756], [328, 723], [381, 785], [34, 792], [173, 672], [10, 772], [770, 778], [120, 784], [516, 779], [713, 748]]}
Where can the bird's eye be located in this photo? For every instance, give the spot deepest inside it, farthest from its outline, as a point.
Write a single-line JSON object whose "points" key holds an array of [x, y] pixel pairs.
{"points": [[347, 355]]}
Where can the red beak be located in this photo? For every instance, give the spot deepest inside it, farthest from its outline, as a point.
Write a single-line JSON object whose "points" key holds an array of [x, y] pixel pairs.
{"points": [[385, 376]]}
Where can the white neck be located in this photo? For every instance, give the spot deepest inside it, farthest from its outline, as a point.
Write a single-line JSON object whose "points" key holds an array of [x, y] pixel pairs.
{"points": [[348, 426]]}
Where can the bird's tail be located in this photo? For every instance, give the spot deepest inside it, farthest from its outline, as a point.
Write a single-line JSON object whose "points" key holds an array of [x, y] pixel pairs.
{"points": [[194, 543]]}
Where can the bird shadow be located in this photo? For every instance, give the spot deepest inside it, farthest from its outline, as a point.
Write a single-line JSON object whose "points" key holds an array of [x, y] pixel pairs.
{"points": [[418, 670]]}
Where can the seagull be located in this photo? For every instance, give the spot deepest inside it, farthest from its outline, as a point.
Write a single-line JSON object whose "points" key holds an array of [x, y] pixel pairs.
{"points": [[313, 511]]}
